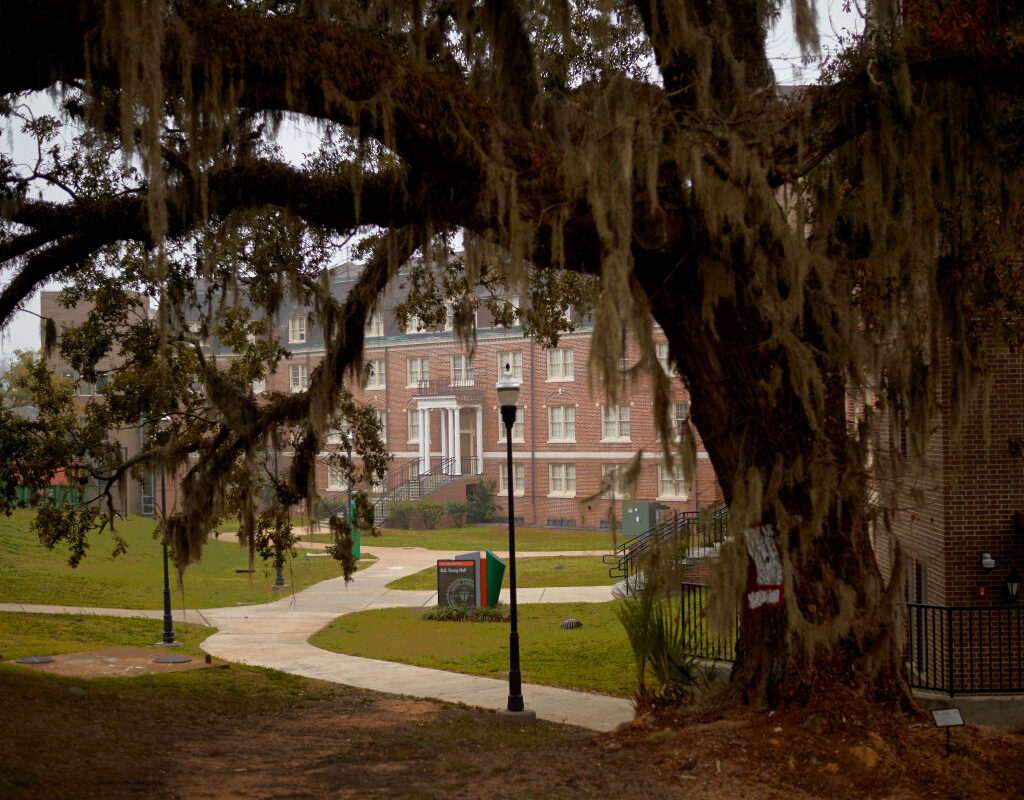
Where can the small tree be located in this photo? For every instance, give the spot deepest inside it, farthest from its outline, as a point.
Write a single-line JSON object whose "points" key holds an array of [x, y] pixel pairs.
{"points": [[457, 511], [480, 499], [430, 512]]}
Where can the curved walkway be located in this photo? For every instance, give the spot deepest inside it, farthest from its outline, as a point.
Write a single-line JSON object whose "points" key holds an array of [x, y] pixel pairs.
{"points": [[274, 635]]}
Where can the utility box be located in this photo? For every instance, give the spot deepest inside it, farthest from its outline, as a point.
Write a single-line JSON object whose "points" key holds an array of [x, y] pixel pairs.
{"points": [[639, 517]]}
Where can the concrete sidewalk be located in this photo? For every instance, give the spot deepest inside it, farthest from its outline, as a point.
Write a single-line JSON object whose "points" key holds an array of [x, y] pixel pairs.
{"points": [[274, 635]]}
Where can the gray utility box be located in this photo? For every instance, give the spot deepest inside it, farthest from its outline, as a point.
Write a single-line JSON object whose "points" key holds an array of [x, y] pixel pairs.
{"points": [[639, 517]]}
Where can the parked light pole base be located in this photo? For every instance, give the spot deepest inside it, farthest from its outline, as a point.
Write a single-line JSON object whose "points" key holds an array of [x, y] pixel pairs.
{"points": [[167, 644], [524, 717]]}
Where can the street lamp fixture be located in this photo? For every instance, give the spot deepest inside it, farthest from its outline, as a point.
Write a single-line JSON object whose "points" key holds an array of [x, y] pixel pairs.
{"points": [[508, 399]]}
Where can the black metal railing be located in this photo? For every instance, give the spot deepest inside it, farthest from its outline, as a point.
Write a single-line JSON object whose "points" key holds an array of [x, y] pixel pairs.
{"points": [[411, 483], [695, 535], [701, 642], [964, 650]]}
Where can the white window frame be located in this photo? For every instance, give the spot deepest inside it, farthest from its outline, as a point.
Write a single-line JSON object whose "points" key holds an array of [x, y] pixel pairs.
{"points": [[616, 492], [460, 368], [375, 325], [561, 480], [518, 429], [680, 414], [335, 478], [561, 364], [671, 484], [298, 378], [413, 425], [562, 423], [376, 375], [414, 324], [515, 358], [418, 376], [519, 478], [615, 422], [662, 351], [297, 330], [382, 423]]}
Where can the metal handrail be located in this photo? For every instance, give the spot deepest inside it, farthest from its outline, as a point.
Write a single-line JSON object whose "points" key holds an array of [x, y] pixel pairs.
{"points": [[699, 534]]}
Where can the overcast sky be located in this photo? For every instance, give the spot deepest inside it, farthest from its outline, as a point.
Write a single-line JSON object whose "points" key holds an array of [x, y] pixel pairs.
{"points": [[23, 331]]}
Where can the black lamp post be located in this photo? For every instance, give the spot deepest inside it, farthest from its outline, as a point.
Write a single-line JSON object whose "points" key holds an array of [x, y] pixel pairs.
{"points": [[508, 399], [168, 636]]}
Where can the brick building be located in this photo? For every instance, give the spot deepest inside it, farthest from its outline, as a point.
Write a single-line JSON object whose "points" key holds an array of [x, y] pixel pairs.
{"points": [[136, 497], [436, 400], [961, 529]]}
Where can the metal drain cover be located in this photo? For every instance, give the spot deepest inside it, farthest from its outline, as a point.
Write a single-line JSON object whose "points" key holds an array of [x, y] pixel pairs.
{"points": [[34, 660], [171, 659], [571, 623]]}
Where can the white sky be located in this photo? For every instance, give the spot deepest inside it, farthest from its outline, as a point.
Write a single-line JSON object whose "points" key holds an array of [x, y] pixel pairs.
{"points": [[22, 333]]}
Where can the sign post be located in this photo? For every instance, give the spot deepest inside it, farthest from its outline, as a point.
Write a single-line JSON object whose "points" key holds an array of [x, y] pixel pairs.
{"points": [[947, 718]]}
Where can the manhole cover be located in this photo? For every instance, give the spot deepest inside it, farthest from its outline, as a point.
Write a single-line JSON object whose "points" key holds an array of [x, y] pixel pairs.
{"points": [[34, 660], [171, 660]]}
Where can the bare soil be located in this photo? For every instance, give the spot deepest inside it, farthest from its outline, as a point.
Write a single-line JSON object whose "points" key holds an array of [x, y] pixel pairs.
{"points": [[239, 733]]}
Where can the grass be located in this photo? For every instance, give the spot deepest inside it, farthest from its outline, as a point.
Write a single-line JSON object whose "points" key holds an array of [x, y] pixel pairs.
{"points": [[595, 658], [489, 537], [29, 573], [51, 634], [533, 572]]}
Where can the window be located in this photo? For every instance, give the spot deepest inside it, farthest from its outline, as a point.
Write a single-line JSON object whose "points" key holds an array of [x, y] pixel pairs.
{"points": [[375, 375], [462, 370], [259, 386], [382, 424], [298, 375], [296, 330], [615, 422], [680, 413], [560, 364], [375, 324], [562, 479], [84, 388], [414, 425], [671, 483], [562, 423], [518, 428], [336, 435], [662, 349], [515, 360], [611, 482], [414, 324], [519, 471], [417, 371], [335, 477]]}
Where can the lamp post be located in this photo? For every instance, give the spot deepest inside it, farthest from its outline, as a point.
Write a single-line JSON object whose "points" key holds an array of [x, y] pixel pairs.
{"points": [[168, 636], [508, 399]]}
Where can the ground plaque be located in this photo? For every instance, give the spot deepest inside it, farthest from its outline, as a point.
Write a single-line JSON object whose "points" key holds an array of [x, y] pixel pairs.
{"points": [[456, 583]]}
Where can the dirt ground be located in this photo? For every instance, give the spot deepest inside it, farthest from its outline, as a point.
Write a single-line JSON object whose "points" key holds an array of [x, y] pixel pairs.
{"points": [[73, 738]]}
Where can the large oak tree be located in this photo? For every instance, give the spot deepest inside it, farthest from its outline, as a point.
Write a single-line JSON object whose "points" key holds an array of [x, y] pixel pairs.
{"points": [[813, 256]]}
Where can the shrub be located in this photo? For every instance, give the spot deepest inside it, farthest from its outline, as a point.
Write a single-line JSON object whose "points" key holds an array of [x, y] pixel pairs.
{"points": [[400, 514], [430, 512], [500, 613], [457, 510], [480, 499]]}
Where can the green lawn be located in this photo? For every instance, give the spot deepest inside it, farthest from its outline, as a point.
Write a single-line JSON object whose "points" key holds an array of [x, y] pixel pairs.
{"points": [[531, 572], [50, 634], [596, 657], [29, 573], [487, 537]]}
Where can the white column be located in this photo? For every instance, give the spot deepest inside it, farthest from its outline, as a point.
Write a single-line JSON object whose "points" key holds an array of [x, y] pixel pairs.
{"points": [[457, 440], [426, 439], [445, 450], [480, 440]]}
